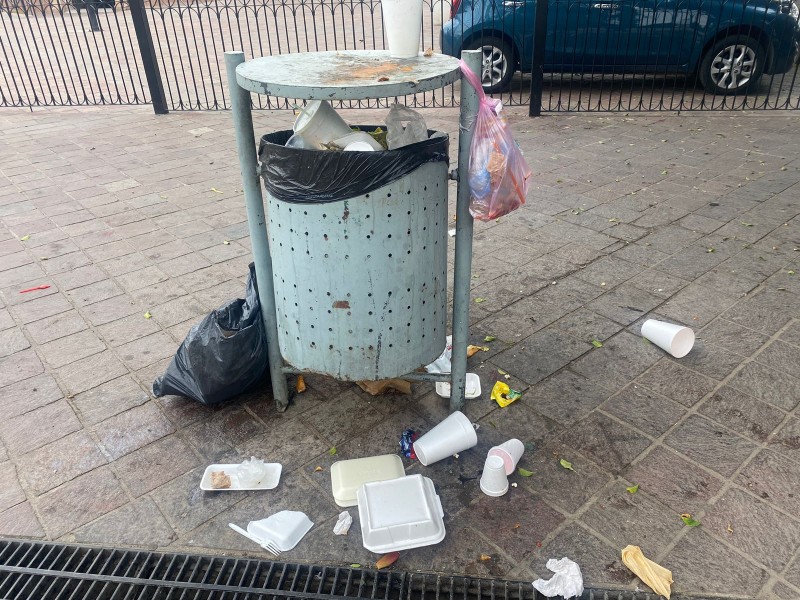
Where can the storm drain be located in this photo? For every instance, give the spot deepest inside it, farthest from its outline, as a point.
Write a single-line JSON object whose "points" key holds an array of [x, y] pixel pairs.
{"points": [[50, 571]]}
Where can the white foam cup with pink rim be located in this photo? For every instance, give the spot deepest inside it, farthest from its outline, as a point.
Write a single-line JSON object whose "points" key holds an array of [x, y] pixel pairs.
{"points": [[494, 481], [675, 339], [510, 451], [454, 434]]}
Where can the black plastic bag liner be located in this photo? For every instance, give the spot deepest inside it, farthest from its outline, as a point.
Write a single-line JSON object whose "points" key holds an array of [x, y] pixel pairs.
{"points": [[222, 356], [317, 176]]}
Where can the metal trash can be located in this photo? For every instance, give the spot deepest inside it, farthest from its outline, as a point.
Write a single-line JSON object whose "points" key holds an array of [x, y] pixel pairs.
{"points": [[360, 282]]}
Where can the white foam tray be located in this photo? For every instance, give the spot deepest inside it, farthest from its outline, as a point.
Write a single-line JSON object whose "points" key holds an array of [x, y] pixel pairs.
{"points": [[473, 385], [270, 481]]}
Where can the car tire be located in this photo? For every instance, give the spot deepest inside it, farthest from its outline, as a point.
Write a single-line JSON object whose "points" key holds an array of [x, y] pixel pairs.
{"points": [[497, 63], [733, 65]]}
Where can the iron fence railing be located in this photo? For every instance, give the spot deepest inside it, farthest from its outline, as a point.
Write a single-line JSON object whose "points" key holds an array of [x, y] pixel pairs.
{"points": [[591, 55]]}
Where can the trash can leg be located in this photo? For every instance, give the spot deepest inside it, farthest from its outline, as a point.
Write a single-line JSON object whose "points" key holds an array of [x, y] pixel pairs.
{"points": [[243, 124], [463, 253]]}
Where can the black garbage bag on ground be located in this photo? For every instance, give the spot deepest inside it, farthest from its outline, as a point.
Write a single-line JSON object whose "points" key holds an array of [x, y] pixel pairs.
{"points": [[222, 356]]}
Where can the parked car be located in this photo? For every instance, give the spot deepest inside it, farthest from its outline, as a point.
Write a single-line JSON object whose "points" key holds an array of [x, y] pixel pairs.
{"points": [[728, 44]]}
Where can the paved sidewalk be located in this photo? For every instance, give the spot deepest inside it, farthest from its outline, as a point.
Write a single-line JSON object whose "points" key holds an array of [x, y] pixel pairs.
{"points": [[687, 218]]}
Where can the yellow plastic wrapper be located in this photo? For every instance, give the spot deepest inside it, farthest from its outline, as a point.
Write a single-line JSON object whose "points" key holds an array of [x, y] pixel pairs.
{"points": [[653, 574], [504, 395]]}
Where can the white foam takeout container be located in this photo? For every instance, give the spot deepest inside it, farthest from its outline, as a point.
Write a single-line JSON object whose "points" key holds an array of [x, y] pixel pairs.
{"points": [[347, 476], [473, 387], [285, 528], [270, 481], [399, 514]]}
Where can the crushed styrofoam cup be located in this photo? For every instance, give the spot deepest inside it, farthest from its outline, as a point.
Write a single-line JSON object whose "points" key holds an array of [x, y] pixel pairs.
{"points": [[494, 481], [442, 364], [251, 472], [510, 451], [454, 434], [675, 339], [566, 582], [343, 524]]}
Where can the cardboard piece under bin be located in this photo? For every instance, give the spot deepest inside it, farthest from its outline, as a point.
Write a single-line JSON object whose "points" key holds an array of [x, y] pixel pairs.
{"points": [[347, 476]]}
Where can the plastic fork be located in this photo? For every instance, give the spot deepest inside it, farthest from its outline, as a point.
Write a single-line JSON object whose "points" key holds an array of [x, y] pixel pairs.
{"points": [[267, 545]]}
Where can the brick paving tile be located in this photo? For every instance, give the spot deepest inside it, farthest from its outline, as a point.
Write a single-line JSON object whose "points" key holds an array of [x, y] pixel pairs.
{"points": [[708, 566], [177, 311], [742, 413], [711, 445], [732, 336], [606, 441], [89, 372], [542, 354], [38, 427], [60, 461], [792, 334], [567, 397], [28, 394], [709, 360], [146, 350], [139, 524], [11, 341], [656, 474], [57, 326], [588, 326], [73, 347], [776, 387], [94, 292], [39, 308], [651, 413], [127, 329], [151, 466], [774, 479], [128, 431], [21, 521], [620, 360], [6, 320], [672, 380], [108, 399], [110, 310], [79, 501], [755, 528], [11, 493]]}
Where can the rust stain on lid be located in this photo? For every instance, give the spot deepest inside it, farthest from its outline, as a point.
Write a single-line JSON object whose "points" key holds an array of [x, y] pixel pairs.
{"points": [[341, 304]]}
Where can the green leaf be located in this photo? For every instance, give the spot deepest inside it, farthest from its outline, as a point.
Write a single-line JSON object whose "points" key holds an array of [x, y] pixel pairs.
{"points": [[332, 451], [524, 472], [746, 224], [24, 238], [711, 250], [480, 300], [489, 338], [355, 566], [213, 189], [689, 521], [147, 315], [226, 242], [632, 489], [597, 343], [502, 372], [664, 172], [790, 272], [566, 464]]}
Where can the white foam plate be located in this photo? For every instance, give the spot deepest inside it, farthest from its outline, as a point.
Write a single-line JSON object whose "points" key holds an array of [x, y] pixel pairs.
{"points": [[270, 481], [285, 528], [473, 387]]}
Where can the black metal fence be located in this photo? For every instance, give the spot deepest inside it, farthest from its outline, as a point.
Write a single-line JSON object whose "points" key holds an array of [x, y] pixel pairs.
{"points": [[584, 55]]}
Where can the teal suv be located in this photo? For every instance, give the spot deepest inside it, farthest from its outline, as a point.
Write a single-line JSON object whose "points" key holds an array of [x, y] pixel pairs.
{"points": [[728, 44]]}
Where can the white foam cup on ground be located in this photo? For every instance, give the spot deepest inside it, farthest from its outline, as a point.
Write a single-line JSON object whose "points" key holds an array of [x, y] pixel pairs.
{"points": [[319, 124], [510, 451], [402, 23], [675, 339], [455, 434], [494, 481]]}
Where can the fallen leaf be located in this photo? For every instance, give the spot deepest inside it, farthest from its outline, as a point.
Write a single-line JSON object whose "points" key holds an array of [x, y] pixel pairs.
{"points": [[226, 242], [476, 277], [516, 525], [163, 197], [746, 224], [489, 338], [566, 464], [597, 343], [355, 566], [24, 238], [613, 220], [485, 557], [689, 521], [384, 78], [524, 472], [332, 451], [790, 272], [730, 529], [783, 168], [502, 372], [387, 560], [711, 250], [217, 191], [428, 53], [300, 386], [632, 489], [147, 315], [664, 172], [318, 469], [480, 300]]}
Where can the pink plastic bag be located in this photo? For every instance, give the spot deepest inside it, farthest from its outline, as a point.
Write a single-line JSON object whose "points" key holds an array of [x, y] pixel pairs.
{"points": [[498, 174]]}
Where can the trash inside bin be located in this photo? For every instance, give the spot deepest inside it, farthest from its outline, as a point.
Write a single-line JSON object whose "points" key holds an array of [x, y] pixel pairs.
{"points": [[312, 176], [222, 356], [361, 240]]}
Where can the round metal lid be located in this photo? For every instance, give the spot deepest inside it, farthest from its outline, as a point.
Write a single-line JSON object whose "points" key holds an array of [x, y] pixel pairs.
{"points": [[346, 75]]}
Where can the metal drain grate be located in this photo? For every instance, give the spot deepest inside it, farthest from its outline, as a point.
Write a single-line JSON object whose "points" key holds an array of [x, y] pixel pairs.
{"points": [[49, 571]]}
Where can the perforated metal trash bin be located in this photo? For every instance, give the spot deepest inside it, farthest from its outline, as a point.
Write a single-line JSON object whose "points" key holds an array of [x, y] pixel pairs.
{"points": [[361, 283]]}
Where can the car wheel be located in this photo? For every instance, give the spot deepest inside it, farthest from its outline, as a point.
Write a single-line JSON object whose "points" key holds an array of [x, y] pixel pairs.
{"points": [[497, 63], [732, 66]]}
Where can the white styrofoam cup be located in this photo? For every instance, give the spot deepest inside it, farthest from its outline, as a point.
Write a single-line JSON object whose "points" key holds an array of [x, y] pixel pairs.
{"points": [[675, 339], [454, 434], [318, 123], [510, 451], [402, 22], [494, 481]]}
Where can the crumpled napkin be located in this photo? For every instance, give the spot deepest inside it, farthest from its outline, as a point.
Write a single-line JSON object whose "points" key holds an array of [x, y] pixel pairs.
{"points": [[653, 574], [343, 524], [567, 581]]}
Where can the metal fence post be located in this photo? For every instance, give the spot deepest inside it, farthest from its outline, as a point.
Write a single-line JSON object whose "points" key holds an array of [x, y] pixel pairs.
{"points": [[537, 61], [148, 52]]}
